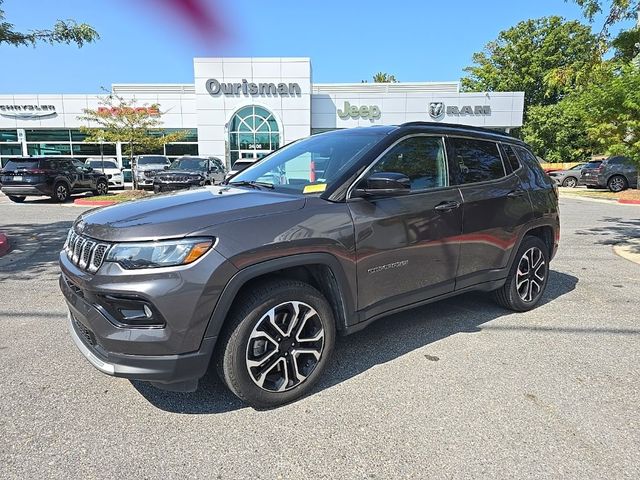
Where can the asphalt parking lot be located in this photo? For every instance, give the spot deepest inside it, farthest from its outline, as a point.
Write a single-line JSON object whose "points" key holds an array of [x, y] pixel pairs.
{"points": [[457, 389]]}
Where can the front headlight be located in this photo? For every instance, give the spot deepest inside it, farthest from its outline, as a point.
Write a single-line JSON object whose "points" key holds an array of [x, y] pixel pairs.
{"points": [[169, 253]]}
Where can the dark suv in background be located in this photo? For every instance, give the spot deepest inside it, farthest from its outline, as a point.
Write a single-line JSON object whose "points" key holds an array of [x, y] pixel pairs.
{"points": [[615, 173], [187, 172], [57, 178], [259, 275]]}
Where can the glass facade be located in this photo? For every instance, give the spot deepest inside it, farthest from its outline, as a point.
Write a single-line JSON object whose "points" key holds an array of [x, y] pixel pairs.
{"points": [[253, 132], [70, 143]]}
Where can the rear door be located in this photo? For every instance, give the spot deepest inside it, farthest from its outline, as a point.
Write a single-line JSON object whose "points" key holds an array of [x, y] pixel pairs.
{"points": [[407, 246], [495, 206]]}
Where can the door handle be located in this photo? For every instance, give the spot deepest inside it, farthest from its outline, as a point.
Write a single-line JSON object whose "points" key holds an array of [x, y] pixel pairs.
{"points": [[516, 193], [446, 206]]}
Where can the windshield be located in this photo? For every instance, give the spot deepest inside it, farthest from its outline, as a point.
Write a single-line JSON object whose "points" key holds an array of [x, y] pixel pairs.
{"points": [[189, 163], [98, 164], [310, 165], [592, 164], [152, 160]]}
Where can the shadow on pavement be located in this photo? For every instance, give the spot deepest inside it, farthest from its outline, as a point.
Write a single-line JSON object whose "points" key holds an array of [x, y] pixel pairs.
{"points": [[618, 231], [382, 342], [34, 249]]}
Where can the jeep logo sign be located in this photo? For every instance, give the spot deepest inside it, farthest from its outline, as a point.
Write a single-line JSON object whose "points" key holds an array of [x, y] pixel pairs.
{"points": [[214, 87], [372, 112], [437, 110]]}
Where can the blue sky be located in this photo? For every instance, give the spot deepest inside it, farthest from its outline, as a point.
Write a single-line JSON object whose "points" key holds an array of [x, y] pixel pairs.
{"points": [[347, 40]]}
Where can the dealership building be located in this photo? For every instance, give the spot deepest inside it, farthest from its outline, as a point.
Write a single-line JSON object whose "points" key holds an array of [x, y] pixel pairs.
{"points": [[245, 108]]}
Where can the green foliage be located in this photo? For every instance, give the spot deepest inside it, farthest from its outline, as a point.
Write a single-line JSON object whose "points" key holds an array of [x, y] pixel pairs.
{"points": [[557, 132], [120, 120], [610, 108], [382, 77], [544, 58], [614, 10], [67, 31]]}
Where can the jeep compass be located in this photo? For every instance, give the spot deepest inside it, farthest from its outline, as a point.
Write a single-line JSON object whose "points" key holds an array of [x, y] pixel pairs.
{"points": [[257, 276]]}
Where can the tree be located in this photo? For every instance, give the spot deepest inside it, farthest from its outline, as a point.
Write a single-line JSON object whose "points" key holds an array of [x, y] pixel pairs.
{"points": [[382, 77], [122, 120], [614, 10], [557, 132], [610, 108], [544, 57], [64, 31]]}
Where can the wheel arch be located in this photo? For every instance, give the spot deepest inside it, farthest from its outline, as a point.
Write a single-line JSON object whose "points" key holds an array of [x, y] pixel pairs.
{"points": [[321, 270]]}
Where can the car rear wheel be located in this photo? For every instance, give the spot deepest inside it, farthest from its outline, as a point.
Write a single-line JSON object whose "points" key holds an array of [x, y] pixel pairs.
{"points": [[617, 183], [276, 343], [527, 278], [17, 199], [61, 192], [570, 182], [102, 188]]}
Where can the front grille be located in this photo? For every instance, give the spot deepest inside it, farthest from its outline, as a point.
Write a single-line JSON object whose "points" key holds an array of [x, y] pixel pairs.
{"points": [[87, 334], [177, 178], [84, 252]]}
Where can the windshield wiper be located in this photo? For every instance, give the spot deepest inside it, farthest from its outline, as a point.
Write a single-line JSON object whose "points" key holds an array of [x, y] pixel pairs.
{"points": [[251, 183]]}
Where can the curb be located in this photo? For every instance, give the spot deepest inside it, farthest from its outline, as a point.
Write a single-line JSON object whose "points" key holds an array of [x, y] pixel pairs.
{"points": [[629, 250], [96, 203], [629, 202], [5, 246]]}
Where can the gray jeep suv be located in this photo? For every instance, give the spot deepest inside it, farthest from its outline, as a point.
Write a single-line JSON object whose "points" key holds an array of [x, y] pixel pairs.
{"points": [[322, 237]]}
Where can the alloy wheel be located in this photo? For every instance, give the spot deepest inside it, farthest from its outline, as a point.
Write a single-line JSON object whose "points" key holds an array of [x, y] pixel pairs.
{"points": [[61, 193], [570, 182], [285, 346], [616, 184], [102, 188], [530, 277]]}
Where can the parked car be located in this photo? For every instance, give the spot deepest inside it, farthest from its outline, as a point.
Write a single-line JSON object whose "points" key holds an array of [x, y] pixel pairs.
{"points": [[145, 168], [57, 178], [187, 172], [238, 166], [111, 170], [568, 178], [258, 278], [615, 173]]}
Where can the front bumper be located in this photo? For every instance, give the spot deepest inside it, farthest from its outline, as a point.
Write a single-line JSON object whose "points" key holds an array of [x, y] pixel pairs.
{"points": [[178, 372], [175, 353]]}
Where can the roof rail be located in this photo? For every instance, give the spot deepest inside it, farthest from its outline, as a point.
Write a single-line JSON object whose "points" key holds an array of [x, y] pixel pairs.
{"points": [[456, 126]]}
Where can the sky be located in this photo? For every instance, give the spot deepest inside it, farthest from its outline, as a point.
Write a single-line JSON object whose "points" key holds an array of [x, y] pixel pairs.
{"points": [[347, 40]]}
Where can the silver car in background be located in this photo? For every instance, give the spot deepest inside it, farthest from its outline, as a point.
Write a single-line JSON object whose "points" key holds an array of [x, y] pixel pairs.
{"points": [[145, 168], [568, 178]]}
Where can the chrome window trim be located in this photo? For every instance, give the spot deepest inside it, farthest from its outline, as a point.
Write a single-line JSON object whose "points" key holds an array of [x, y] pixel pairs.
{"points": [[386, 150]]}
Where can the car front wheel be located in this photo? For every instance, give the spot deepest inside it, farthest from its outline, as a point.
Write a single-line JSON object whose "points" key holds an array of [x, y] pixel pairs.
{"points": [[276, 343], [570, 182], [102, 188], [527, 278]]}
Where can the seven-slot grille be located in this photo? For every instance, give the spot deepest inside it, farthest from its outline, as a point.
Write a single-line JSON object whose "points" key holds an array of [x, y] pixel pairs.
{"points": [[84, 252]]}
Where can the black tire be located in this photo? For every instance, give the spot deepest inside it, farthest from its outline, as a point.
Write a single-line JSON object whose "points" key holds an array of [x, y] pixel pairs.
{"points": [[617, 183], [523, 299], [244, 328], [102, 188], [61, 192], [157, 189], [591, 186], [17, 198], [570, 182]]}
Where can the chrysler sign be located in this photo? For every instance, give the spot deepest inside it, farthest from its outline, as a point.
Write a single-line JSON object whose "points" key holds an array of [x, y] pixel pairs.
{"points": [[27, 111], [215, 87]]}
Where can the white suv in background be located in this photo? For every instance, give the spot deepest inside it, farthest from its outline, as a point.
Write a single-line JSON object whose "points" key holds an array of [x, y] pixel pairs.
{"points": [[110, 169]]}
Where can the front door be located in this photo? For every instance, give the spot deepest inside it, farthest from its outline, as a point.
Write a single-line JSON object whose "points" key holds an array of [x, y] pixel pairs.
{"points": [[408, 246]]}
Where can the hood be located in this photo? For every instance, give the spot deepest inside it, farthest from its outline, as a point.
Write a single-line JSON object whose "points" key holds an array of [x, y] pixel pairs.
{"points": [[181, 172], [151, 166], [177, 215]]}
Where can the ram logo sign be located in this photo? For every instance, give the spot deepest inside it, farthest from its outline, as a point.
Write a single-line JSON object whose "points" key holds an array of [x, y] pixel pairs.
{"points": [[438, 111]]}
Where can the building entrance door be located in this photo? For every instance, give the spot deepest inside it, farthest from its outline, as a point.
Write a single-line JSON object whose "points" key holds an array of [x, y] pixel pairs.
{"points": [[253, 154]]}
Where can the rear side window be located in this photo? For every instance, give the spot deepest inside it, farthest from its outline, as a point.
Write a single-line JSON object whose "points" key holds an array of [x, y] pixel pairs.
{"points": [[477, 160], [420, 158], [512, 158]]}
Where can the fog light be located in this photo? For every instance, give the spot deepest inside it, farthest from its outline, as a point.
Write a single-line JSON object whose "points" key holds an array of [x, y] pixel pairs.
{"points": [[130, 311]]}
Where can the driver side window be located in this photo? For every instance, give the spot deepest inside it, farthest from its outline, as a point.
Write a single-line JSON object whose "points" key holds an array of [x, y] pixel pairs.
{"points": [[421, 158]]}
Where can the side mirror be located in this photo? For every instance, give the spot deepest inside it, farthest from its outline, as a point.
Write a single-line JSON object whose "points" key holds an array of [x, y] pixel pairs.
{"points": [[166, 167], [383, 184]]}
